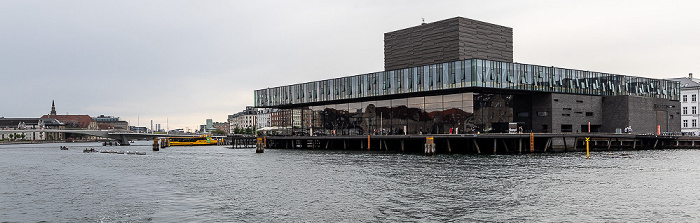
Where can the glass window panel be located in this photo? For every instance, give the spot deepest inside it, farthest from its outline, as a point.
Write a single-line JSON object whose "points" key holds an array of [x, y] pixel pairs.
{"points": [[368, 116], [452, 97], [434, 124], [433, 99]]}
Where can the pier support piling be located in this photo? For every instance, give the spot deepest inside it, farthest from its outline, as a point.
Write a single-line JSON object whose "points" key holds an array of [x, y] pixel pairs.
{"points": [[260, 146], [494, 146], [429, 146], [155, 145], [449, 147], [520, 145]]}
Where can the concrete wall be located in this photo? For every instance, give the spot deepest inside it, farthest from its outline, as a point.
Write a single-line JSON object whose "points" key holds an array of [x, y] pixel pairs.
{"points": [[446, 41]]}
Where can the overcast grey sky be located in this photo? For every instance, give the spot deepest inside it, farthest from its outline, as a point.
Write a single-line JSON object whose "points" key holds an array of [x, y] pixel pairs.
{"points": [[186, 61]]}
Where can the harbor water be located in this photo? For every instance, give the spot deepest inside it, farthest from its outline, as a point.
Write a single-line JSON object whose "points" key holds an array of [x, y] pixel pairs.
{"points": [[218, 184]]}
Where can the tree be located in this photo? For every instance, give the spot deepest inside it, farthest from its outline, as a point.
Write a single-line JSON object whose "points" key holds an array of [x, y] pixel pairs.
{"points": [[218, 132]]}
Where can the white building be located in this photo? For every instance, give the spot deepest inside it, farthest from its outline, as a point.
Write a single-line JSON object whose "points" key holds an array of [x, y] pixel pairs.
{"points": [[690, 103], [243, 120], [264, 118], [25, 124]]}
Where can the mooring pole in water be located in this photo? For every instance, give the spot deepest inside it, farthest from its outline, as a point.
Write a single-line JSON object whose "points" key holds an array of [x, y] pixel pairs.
{"points": [[259, 146], [155, 145], [368, 142], [429, 146], [587, 149], [532, 142]]}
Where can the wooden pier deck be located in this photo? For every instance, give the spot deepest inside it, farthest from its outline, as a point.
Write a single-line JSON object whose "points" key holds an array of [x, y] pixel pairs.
{"points": [[482, 143]]}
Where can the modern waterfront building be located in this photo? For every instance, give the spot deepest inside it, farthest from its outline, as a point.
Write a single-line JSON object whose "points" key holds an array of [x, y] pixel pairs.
{"points": [[138, 129], [690, 91], [457, 76], [111, 122]]}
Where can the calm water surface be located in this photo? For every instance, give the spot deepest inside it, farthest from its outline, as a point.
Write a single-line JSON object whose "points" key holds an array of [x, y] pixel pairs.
{"points": [[218, 184]]}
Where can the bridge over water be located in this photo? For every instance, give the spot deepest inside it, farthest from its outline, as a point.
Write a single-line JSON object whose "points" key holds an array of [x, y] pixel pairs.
{"points": [[122, 137]]}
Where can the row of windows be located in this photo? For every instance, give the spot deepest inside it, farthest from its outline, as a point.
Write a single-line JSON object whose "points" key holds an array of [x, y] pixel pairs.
{"points": [[694, 98], [694, 110], [685, 123], [467, 73]]}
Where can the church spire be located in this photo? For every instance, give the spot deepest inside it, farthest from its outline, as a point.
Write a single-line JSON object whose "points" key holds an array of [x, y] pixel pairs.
{"points": [[53, 108]]}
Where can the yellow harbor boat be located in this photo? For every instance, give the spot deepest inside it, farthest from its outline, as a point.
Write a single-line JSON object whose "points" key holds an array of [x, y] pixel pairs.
{"points": [[193, 140]]}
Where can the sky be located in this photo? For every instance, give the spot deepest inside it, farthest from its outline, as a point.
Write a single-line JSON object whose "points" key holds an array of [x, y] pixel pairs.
{"points": [[179, 62]]}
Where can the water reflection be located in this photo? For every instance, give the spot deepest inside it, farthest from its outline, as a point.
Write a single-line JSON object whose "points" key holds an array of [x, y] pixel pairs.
{"points": [[203, 184]]}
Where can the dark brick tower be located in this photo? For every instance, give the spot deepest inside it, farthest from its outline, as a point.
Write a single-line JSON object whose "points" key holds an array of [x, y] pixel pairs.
{"points": [[446, 41]]}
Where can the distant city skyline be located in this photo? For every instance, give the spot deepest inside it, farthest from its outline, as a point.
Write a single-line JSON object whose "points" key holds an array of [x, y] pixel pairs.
{"points": [[182, 62]]}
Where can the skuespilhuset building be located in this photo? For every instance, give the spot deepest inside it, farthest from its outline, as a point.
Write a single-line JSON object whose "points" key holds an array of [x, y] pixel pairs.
{"points": [[457, 75]]}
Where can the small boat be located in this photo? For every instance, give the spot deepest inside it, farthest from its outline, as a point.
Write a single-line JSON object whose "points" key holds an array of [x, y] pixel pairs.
{"points": [[130, 152], [64, 147], [120, 152], [140, 153]]}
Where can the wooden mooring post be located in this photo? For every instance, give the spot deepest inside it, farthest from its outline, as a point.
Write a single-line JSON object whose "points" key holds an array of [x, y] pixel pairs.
{"points": [[429, 146], [260, 146], [155, 145]]}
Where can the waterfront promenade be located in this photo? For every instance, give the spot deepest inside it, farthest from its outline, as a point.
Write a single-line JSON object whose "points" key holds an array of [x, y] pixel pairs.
{"points": [[485, 143]]}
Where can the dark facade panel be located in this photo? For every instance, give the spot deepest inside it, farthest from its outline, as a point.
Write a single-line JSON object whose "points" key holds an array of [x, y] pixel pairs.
{"points": [[572, 113], [643, 114], [447, 40]]}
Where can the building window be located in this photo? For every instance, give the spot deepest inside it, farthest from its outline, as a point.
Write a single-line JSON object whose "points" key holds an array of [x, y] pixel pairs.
{"points": [[685, 123], [695, 123], [589, 113], [694, 98], [566, 128], [685, 110], [695, 108], [685, 98], [542, 114]]}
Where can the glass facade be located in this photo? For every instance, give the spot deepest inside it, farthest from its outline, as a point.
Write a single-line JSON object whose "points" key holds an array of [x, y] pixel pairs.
{"points": [[473, 73], [414, 115], [441, 98]]}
